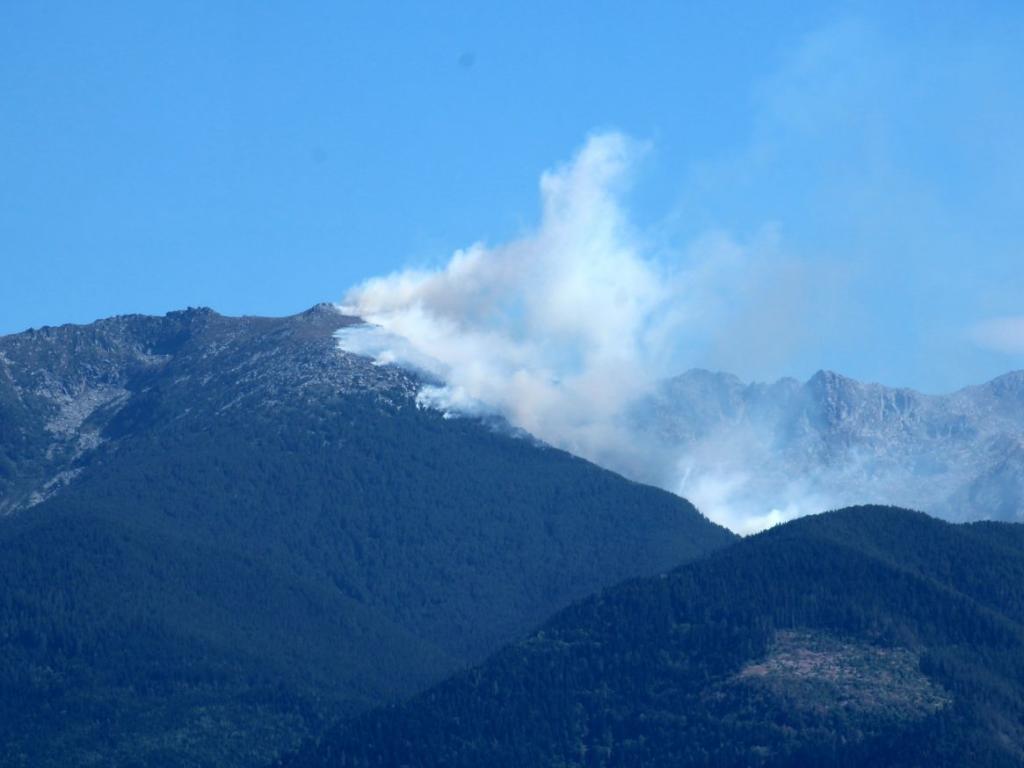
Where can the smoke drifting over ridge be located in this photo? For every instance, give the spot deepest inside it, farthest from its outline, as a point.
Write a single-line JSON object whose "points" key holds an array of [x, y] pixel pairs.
{"points": [[566, 329]]}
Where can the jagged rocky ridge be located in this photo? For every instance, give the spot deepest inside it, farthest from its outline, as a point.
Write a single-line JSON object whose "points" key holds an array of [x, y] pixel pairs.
{"points": [[832, 441], [67, 390]]}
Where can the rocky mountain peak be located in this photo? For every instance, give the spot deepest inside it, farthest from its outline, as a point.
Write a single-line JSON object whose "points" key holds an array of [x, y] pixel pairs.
{"points": [[66, 391], [323, 308], [1008, 385], [193, 312], [842, 441]]}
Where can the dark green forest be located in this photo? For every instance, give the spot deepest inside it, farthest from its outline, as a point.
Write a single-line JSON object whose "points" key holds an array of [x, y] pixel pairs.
{"points": [[251, 548], [258, 549], [868, 636]]}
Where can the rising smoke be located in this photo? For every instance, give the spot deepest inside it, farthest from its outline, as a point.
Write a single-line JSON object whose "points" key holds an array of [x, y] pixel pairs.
{"points": [[566, 329]]}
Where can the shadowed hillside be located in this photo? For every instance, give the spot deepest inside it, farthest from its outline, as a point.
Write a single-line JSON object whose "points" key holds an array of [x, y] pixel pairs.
{"points": [[869, 636], [224, 532]]}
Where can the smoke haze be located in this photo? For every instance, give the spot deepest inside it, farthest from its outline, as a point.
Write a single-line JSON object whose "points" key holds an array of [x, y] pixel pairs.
{"points": [[564, 330]]}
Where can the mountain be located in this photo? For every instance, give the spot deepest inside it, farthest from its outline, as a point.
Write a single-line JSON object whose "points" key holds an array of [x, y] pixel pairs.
{"points": [[867, 636], [740, 451], [222, 533]]}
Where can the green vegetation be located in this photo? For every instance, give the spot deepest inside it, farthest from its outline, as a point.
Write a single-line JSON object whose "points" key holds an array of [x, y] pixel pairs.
{"points": [[870, 636], [261, 547]]}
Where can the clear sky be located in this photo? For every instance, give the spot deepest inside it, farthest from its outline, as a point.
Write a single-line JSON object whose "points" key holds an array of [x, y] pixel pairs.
{"points": [[261, 157]]}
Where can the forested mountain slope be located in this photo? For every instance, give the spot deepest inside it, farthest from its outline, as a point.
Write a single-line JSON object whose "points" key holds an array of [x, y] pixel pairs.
{"points": [[868, 636], [223, 532]]}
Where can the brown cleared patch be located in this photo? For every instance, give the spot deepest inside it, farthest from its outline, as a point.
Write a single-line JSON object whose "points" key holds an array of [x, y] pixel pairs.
{"points": [[817, 671]]}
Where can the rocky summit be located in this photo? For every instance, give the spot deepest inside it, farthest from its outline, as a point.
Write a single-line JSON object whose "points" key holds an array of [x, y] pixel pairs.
{"points": [[66, 391]]}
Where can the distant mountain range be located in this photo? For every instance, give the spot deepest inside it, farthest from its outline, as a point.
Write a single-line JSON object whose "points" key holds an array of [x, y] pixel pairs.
{"points": [[220, 534], [740, 451], [869, 636]]}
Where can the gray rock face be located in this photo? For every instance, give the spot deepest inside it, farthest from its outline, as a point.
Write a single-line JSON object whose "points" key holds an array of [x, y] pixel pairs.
{"points": [[754, 454], [66, 391]]}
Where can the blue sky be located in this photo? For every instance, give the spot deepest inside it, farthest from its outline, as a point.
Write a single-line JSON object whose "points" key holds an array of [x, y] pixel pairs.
{"points": [[258, 158]]}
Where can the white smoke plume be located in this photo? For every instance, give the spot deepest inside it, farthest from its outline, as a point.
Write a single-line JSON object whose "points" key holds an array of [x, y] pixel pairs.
{"points": [[562, 330]]}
